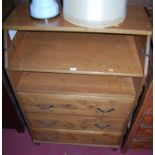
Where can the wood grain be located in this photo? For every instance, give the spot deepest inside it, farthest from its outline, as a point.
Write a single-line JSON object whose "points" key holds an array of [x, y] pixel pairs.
{"points": [[14, 77], [145, 133], [148, 119], [140, 134], [145, 144], [76, 84], [136, 22], [78, 137], [75, 105], [77, 53], [75, 108], [71, 122], [141, 49]]}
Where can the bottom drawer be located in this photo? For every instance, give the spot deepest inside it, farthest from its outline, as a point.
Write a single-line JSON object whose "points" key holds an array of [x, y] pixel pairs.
{"points": [[77, 137]]}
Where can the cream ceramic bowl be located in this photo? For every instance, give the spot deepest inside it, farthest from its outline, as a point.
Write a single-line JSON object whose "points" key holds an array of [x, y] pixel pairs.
{"points": [[94, 13]]}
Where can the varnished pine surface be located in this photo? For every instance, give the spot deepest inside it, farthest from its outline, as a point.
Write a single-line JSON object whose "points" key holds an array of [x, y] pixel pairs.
{"points": [[136, 22], [75, 105], [70, 122], [78, 53], [76, 84], [78, 137]]}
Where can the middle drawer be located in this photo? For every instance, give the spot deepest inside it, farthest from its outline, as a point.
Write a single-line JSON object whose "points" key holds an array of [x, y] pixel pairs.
{"points": [[70, 122], [66, 104]]}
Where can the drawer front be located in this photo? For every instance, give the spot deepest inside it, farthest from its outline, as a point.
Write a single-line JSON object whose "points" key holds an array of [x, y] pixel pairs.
{"points": [[76, 137], [75, 105], [76, 123]]}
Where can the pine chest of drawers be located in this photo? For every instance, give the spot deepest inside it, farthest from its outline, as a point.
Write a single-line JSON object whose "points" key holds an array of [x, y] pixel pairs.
{"points": [[76, 85]]}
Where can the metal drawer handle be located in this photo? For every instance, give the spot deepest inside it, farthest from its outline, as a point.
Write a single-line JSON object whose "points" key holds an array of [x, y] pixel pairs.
{"points": [[102, 126], [50, 107], [105, 111], [51, 123]]}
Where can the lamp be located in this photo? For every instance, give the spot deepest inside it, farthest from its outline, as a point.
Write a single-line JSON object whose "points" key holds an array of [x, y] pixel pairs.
{"points": [[44, 9]]}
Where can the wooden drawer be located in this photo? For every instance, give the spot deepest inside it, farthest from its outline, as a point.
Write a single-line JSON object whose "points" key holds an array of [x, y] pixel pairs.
{"points": [[76, 123], [76, 137], [115, 86], [75, 104]]}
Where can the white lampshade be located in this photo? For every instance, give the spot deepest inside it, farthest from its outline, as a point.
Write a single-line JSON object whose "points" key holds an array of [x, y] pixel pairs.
{"points": [[94, 13]]}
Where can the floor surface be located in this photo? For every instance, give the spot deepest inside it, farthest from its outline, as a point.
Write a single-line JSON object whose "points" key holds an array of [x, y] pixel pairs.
{"points": [[14, 143]]}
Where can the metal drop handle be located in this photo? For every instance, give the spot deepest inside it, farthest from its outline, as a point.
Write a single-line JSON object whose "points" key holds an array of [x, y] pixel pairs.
{"points": [[105, 111], [50, 107], [102, 126], [50, 123]]}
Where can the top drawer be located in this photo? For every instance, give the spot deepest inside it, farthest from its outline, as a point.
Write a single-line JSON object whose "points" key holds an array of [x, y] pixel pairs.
{"points": [[92, 85]]}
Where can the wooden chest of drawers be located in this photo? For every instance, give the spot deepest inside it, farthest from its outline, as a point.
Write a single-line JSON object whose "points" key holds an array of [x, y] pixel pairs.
{"points": [[79, 86], [84, 109]]}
